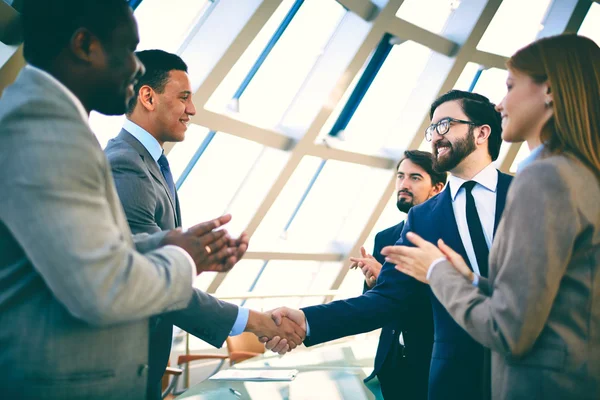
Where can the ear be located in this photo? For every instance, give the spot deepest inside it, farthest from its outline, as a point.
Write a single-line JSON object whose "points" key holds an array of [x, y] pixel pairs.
{"points": [[438, 187], [86, 47], [147, 98], [548, 97], [482, 134]]}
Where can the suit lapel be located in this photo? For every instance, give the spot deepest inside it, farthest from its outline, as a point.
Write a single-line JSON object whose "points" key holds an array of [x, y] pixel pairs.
{"points": [[153, 168], [501, 191], [447, 223]]}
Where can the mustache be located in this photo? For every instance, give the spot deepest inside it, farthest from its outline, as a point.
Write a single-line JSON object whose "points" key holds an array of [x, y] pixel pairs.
{"points": [[405, 192], [442, 143]]}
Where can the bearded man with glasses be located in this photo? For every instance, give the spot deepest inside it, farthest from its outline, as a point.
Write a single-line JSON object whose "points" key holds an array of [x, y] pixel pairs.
{"points": [[465, 135]]}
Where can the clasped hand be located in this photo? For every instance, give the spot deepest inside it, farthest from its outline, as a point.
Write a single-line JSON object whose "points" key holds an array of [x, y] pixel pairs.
{"points": [[211, 249], [283, 334]]}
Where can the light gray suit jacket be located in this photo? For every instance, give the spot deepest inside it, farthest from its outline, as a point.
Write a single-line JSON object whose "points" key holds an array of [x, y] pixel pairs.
{"points": [[539, 311], [76, 292], [150, 208]]}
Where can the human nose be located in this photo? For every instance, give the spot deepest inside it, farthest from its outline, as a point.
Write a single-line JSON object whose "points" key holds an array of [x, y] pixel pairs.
{"points": [[191, 108], [500, 106]]}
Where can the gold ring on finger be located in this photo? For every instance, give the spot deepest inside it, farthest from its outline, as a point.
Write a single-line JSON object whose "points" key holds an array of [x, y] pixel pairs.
{"points": [[208, 250]]}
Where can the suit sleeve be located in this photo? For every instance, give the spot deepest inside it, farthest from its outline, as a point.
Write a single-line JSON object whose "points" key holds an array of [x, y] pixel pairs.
{"points": [[205, 317], [59, 213], [531, 252], [136, 192], [377, 246], [388, 302]]}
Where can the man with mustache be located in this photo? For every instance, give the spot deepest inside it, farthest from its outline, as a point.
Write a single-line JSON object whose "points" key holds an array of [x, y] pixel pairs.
{"points": [[404, 351], [466, 137], [159, 112]]}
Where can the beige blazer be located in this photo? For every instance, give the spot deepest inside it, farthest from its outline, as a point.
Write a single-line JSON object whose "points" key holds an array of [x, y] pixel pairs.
{"points": [[76, 292], [541, 315]]}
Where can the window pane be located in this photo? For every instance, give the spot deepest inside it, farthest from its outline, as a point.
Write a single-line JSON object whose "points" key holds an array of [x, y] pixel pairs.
{"points": [[376, 117], [466, 77], [525, 21], [166, 24], [333, 214], [308, 277], [274, 86], [181, 154], [105, 127], [521, 155], [428, 14], [589, 27], [492, 84], [233, 175]]}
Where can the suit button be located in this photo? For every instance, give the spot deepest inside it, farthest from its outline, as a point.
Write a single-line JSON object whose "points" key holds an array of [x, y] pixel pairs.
{"points": [[393, 331], [142, 369]]}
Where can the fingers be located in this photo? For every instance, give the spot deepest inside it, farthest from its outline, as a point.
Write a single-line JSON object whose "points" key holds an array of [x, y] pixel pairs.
{"points": [[417, 240], [410, 272], [363, 252], [215, 240], [205, 227], [280, 347], [270, 345], [455, 259], [277, 315]]}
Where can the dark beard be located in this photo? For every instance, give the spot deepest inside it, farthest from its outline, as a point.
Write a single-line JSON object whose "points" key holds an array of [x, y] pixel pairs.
{"points": [[459, 150], [404, 206]]}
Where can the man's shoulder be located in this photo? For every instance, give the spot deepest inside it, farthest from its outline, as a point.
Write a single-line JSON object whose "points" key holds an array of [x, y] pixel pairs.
{"points": [[391, 230], [122, 156]]}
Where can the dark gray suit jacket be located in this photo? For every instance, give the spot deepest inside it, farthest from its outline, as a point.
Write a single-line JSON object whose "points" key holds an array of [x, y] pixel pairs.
{"points": [[149, 207]]}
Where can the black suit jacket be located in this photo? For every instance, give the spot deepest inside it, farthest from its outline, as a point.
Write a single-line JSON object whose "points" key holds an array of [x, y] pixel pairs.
{"points": [[409, 366], [150, 207], [457, 360]]}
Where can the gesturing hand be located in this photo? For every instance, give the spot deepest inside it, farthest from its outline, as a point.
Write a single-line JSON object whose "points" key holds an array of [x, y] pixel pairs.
{"points": [[413, 261], [369, 265], [209, 248], [456, 260]]}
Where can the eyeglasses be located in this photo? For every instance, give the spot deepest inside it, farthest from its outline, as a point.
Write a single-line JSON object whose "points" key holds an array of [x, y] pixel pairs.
{"points": [[443, 126]]}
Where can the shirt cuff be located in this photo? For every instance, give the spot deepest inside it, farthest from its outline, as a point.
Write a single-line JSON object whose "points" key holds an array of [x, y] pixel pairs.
{"points": [[475, 280], [187, 256], [307, 328], [240, 322], [433, 265]]}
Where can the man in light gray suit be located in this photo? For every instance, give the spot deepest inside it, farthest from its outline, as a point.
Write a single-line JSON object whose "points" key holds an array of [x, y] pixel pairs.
{"points": [[76, 290], [159, 112]]}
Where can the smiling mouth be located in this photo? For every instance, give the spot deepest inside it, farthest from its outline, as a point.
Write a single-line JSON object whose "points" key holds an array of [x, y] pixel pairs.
{"points": [[185, 122], [441, 151]]}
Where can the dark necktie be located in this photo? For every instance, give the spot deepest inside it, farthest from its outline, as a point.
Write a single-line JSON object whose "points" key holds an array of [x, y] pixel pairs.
{"points": [[476, 230], [166, 171]]}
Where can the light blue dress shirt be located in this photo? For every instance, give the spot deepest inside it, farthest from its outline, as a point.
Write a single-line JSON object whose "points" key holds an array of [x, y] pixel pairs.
{"points": [[153, 147]]}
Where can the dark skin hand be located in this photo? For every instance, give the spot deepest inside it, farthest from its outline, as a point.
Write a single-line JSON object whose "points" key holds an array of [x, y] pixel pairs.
{"points": [[209, 248]]}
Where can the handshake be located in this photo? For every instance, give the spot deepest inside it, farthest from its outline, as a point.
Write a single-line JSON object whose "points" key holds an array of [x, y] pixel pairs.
{"points": [[281, 330]]}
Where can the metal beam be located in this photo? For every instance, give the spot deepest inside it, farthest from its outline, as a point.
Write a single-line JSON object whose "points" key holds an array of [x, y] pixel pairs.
{"points": [[10, 70], [489, 60], [363, 8], [268, 256], [408, 31], [510, 156], [329, 153]]}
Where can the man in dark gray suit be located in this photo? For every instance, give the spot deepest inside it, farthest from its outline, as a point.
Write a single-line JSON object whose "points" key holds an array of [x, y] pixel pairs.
{"points": [[76, 288], [160, 112]]}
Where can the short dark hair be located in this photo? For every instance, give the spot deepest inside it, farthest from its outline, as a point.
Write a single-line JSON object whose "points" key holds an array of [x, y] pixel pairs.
{"points": [[481, 111], [158, 64], [424, 159], [49, 25]]}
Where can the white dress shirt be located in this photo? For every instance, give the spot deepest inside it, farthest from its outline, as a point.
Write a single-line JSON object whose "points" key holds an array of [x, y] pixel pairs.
{"points": [[484, 194]]}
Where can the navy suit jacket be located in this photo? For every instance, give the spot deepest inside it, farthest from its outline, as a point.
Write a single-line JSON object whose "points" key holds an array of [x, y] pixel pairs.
{"points": [[413, 370], [457, 360]]}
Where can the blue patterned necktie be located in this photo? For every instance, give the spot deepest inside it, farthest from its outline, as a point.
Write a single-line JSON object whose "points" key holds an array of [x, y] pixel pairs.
{"points": [[166, 171]]}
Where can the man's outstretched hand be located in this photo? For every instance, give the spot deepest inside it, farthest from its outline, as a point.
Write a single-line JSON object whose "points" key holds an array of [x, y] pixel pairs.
{"points": [[287, 333]]}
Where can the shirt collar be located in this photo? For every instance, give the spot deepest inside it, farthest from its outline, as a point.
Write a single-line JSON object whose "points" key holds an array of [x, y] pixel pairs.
{"points": [[145, 138], [487, 177], [74, 99], [533, 155]]}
